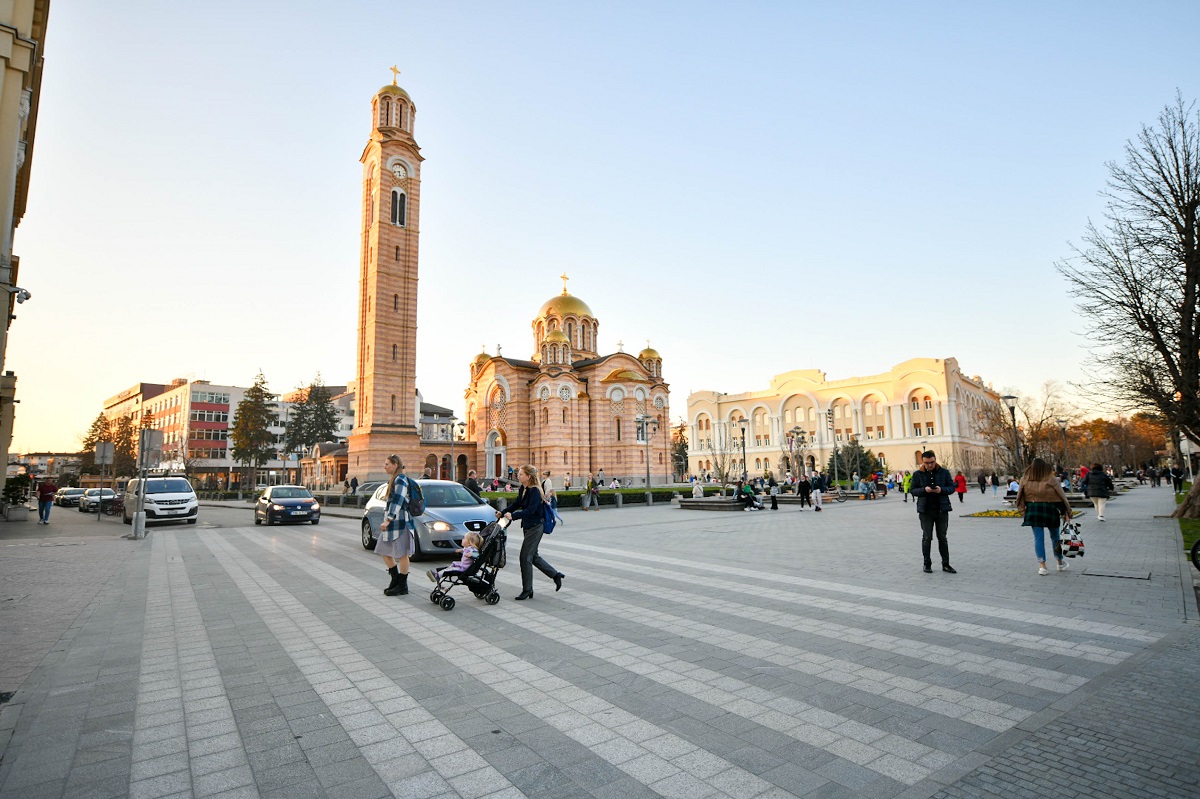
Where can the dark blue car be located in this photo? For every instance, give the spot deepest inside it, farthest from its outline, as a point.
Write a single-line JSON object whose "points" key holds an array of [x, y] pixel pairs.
{"points": [[287, 504]]}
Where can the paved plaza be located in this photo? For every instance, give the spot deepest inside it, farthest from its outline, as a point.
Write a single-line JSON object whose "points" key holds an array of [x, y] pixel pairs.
{"points": [[690, 654]]}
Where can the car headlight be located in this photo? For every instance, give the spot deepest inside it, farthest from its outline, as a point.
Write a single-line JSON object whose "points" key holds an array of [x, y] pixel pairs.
{"points": [[440, 527], [276, 507], [149, 501], [316, 506]]}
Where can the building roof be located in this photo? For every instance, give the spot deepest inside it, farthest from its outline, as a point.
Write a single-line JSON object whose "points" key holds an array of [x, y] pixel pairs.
{"points": [[565, 305], [393, 89], [557, 337], [649, 354], [429, 409]]}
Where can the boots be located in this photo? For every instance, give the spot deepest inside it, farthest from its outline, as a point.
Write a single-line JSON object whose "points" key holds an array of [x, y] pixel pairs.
{"points": [[399, 584]]}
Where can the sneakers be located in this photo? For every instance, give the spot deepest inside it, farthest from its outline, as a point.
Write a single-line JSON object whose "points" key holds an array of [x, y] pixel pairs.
{"points": [[1042, 570], [1063, 565]]}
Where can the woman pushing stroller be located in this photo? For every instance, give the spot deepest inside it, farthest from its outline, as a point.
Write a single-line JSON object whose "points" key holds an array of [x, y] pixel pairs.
{"points": [[529, 507]]}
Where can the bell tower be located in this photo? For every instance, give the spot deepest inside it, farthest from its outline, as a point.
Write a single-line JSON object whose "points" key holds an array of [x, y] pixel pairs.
{"points": [[386, 419]]}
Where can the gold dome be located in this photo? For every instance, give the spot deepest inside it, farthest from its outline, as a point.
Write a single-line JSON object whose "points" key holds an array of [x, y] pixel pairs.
{"points": [[482, 357], [565, 305], [649, 354], [557, 337], [393, 89]]}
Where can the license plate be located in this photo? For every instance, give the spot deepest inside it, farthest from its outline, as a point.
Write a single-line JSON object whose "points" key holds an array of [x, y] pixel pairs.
{"points": [[299, 513]]}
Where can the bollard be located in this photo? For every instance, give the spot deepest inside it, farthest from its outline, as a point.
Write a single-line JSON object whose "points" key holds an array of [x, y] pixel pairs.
{"points": [[649, 498], [617, 499], [139, 524]]}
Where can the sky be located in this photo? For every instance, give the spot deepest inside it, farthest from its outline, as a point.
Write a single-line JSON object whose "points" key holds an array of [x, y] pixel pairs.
{"points": [[754, 187]]}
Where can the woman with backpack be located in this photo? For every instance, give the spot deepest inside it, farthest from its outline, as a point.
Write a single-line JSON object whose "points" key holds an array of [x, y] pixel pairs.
{"points": [[530, 508], [395, 543]]}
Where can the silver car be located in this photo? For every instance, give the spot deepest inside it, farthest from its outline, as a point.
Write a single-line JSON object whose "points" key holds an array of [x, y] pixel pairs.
{"points": [[451, 511]]}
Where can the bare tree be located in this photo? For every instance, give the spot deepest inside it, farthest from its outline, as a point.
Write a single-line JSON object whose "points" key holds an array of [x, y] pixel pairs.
{"points": [[723, 449], [1037, 434], [1138, 277]]}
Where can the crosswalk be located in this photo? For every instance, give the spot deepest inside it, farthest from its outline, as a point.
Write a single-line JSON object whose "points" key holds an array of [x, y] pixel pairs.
{"points": [[910, 672]]}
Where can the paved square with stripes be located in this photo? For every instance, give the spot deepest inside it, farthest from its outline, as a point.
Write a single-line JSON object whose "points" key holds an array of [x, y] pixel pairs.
{"points": [[689, 654]]}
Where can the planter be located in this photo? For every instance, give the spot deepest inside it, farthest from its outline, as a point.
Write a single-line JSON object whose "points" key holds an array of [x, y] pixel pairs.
{"points": [[17, 513]]}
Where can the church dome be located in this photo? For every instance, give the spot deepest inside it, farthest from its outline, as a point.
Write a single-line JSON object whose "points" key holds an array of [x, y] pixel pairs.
{"points": [[565, 305], [482, 357], [557, 337], [649, 354], [393, 89]]}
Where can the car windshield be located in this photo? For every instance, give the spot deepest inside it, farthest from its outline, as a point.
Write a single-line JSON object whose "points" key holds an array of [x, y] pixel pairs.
{"points": [[291, 493], [450, 495], [177, 486]]}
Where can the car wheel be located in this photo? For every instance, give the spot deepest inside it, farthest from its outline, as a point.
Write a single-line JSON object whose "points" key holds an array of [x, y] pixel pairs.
{"points": [[316, 521], [191, 521], [368, 540], [257, 520]]}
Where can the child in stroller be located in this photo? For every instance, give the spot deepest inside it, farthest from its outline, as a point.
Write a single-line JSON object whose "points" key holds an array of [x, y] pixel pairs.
{"points": [[482, 557]]}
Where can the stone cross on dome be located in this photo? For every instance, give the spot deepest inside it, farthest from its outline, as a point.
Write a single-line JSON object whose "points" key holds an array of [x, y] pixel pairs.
{"points": [[620, 346], [395, 75]]}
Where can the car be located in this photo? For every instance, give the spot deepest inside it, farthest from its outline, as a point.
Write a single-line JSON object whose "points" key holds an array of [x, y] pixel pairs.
{"points": [[451, 511], [287, 504], [93, 496], [366, 489], [166, 499], [68, 497]]}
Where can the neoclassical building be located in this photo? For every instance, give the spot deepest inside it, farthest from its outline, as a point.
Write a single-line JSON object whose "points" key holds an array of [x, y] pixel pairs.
{"points": [[569, 408], [923, 403]]}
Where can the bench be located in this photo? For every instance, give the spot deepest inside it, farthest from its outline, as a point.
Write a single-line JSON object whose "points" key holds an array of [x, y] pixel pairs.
{"points": [[710, 503]]}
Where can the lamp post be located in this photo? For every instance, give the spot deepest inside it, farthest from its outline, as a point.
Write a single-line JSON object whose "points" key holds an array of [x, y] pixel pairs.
{"points": [[797, 445], [461, 429], [644, 425], [743, 424], [453, 419], [1062, 425], [1011, 402], [833, 438]]}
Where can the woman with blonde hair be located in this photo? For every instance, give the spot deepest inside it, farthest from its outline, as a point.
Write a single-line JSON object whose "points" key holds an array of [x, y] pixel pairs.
{"points": [[530, 508], [395, 543], [1041, 499]]}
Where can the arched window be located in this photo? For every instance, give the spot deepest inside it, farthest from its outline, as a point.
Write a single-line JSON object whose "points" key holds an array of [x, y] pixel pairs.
{"points": [[395, 302], [401, 111], [928, 404], [564, 415], [571, 332], [399, 207], [618, 421], [397, 252], [393, 402], [395, 350], [545, 416], [385, 113], [916, 404]]}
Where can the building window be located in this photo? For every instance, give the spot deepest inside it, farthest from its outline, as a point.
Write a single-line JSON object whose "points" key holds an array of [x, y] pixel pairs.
{"points": [[393, 402], [399, 203], [618, 429], [395, 350], [929, 428], [916, 405], [928, 404], [564, 415], [395, 302], [397, 252], [916, 430]]}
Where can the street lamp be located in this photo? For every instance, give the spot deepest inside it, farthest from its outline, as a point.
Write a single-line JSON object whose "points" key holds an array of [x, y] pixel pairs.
{"points": [[797, 444], [644, 424], [453, 419], [742, 423], [1011, 402], [1062, 425]]}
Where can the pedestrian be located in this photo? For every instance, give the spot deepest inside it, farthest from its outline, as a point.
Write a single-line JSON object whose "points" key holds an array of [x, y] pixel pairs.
{"points": [[994, 479], [697, 491], [591, 493], [1098, 488], [354, 485], [427, 474], [510, 474], [906, 484], [819, 484], [960, 486], [804, 489], [345, 487], [472, 484], [982, 483], [529, 508], [1042, 501], [773, 488], [548, 490], [395, 543], [45, 496], [932, 486], [1177, 478], [567, 482]]}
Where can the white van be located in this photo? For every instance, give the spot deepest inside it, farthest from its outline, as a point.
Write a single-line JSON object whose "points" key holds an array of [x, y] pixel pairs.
{"points": [[166, 498]]}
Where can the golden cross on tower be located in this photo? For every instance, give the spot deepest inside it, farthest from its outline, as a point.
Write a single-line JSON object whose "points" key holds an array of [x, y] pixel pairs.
{"points": [[564, 280], [395, 75]]}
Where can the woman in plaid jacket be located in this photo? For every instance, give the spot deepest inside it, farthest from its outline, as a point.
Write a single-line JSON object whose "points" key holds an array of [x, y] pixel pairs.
{"points": [[1043, 502]]}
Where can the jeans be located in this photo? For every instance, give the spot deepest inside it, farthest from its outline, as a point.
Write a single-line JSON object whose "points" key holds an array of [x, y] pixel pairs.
{"points": [[44, 509], [939, 519], [531, 558], [1039, 543]]}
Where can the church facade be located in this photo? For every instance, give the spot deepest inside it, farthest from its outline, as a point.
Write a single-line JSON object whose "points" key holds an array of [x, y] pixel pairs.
{"points": [[569, 409]]}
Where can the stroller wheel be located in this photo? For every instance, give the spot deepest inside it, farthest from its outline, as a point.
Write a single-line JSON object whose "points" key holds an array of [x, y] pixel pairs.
{"points": [[493, 598], [448, 603], [435, 596]]}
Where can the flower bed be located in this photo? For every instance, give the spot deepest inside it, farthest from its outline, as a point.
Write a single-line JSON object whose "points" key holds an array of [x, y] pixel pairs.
{"points": [[1007, 513]]}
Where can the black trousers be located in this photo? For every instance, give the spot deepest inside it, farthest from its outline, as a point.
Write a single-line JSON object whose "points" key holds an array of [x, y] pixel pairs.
{"points": [[531, 558], [935, 520], [806, 499]]}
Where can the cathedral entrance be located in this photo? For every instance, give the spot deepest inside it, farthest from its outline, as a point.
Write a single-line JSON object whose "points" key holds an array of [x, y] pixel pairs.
{"points": [[495, 455]]}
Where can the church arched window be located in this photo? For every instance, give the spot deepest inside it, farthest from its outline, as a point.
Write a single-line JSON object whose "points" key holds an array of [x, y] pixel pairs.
{"points": [[393, 402], [571, 331], [399, 207], [564, 415], [401, 109], [385, 113], [395, 350], [395, 302]]}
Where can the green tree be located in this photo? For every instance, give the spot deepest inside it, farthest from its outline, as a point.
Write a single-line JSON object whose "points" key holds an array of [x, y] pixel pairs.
{"points": [[99, 431], [125, 443], [679, 448], [852, 458], [314, 420], [251, 436]]}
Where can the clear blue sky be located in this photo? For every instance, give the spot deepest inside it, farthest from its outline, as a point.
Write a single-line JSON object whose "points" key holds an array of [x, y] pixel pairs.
{"points": [[754, 187]]}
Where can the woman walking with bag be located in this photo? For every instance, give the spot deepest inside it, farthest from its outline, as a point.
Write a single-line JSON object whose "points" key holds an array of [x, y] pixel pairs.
{"points": [[529, 507], [1043, 502], [1098, 487], [395, 541]]}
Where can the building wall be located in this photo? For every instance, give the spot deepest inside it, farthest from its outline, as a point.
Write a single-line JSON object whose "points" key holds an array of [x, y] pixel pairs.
{"points": [[921, 403]]}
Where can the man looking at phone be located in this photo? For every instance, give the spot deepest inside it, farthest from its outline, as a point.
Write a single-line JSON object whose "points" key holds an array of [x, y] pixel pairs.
{"points": [[933, 487]]}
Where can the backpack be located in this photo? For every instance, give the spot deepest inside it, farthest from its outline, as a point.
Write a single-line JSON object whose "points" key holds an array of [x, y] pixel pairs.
{"points": [[549, 518], [416, 498]]}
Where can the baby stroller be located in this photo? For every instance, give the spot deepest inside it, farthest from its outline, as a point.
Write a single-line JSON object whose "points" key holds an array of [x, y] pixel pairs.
{"points": [[1071, 540], [480, 576]]}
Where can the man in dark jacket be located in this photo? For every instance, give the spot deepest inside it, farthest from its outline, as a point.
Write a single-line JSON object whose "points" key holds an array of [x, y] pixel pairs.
{"points": [[933, 487]]}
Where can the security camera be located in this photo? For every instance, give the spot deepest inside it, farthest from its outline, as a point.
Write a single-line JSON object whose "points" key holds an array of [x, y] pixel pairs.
{"points": [[23, 295]]}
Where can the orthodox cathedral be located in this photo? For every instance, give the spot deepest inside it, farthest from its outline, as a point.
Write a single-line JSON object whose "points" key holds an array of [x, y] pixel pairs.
{"points": [[568, 408]]}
